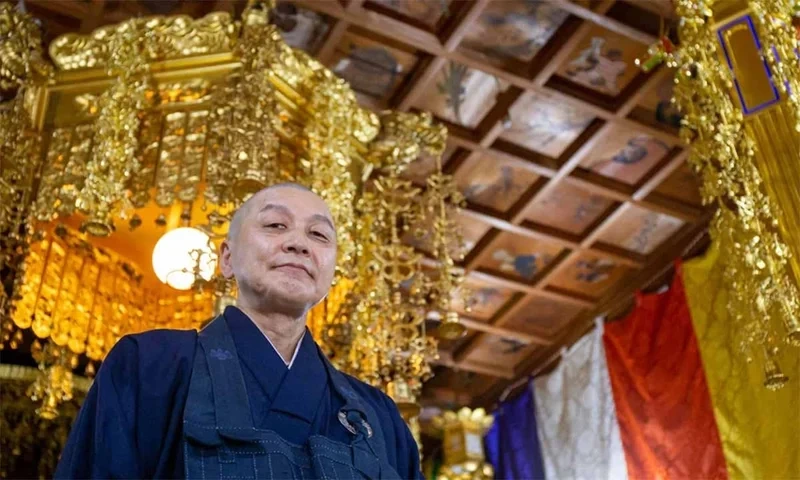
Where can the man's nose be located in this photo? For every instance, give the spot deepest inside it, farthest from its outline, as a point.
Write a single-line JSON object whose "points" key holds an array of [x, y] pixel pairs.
{"points": [[296, 244]]}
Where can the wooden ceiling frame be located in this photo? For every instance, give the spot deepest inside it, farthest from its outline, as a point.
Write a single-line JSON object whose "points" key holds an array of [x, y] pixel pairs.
{"points": [[430, 44], [340, 27], [449, 44], [597, 16], [588, 244]]}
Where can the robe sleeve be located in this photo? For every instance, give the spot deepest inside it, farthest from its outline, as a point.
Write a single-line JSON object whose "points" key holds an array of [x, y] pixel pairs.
{"points": [[102, 442], [129, 425], [408, 463]]}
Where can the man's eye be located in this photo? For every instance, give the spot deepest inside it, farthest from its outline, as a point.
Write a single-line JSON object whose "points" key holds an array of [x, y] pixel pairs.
{"points": [[320, 235], [276, 225]]}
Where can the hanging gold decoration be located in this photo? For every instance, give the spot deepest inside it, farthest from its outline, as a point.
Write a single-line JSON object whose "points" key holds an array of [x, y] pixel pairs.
{"points": [[463, 433], [84, 298], [440, 200], [386, 311], [103, 193], [244, 153], [389, 348], [54, 385], [79, 300], [21, 56], [725, 103], [21, 67], [31, 445], [19, 160]]}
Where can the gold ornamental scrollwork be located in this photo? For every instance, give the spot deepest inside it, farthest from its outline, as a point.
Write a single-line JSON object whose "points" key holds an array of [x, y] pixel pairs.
{"points": [[21, 55], [167, 38]]}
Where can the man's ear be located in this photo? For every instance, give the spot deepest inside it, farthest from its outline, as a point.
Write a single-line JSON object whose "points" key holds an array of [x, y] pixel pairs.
{"points": [[225, 263]]}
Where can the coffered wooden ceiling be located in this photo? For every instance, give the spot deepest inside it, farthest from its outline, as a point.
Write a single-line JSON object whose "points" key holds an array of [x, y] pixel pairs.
{"points": [[569, 156]]}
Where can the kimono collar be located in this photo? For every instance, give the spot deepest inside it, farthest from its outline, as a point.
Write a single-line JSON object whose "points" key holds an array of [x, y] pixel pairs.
{"points": [[297, 391]]}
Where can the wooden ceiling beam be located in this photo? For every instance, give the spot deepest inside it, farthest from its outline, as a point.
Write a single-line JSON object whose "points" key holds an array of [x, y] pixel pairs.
{"points": [[519, 162], [441, 396], [584, 151], [354, 5], [662, 135], [595, 183], [650, 84], [671, 207], [328, 49], [561, 55], [454, 37], [597, 15], [604, 225], [495, 329], [420, 82], [377, 23], [501, 224], [428, 74], [514, 285], [590, 183], [568, 45], [535, 234], [653, 182], [71, 9], [93, 17], [512, 312], [468, 366]]}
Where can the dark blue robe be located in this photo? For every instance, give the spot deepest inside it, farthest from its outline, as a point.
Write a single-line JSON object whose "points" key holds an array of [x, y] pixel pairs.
{"points": [[130, 425]]}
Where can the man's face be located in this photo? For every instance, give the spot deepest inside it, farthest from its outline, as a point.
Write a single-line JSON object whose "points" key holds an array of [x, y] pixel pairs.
{"points": [[284, 254]]}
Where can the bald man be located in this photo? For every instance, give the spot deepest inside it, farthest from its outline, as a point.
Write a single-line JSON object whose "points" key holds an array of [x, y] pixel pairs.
{"points": [[251, 395]]}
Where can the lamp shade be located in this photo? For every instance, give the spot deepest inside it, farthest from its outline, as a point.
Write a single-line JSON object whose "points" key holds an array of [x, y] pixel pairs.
{"points": [[179, 252]]}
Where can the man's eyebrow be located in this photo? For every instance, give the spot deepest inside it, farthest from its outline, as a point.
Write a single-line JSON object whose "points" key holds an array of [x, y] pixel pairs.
{"points": [[274, 206], [317, 216], [324, 219]]}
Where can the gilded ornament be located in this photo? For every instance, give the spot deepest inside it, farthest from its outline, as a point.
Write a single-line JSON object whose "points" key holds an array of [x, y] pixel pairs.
{"points": [[168, 37], [244, 149], [108, 171], [462, 435], [21, 56], [726, 153], [21, 67], [22, 427]]}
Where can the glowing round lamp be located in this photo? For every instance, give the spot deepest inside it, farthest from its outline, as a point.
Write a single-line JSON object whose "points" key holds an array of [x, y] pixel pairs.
{"points": [[179, 252]]}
